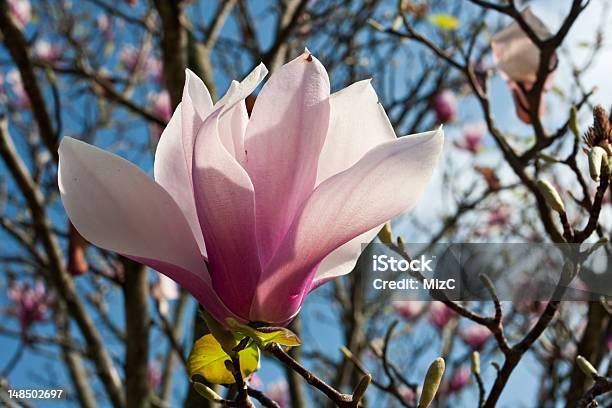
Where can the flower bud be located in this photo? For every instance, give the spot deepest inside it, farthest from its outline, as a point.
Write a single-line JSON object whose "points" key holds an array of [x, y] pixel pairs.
{"points": [[361, 388], [597, 155], [375, 25], [385, 235], [476, 362], [552, 197], [432, 382], [573, 122], [207, 392], [586, 367]]}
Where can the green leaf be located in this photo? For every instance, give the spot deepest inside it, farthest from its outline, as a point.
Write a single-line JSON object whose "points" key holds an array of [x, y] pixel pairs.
{"points": [[444, 21], [208, 359], [264, 336]]}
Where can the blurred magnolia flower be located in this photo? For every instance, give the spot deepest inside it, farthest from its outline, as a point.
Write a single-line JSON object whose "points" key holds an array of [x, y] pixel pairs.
{"points": [[30, 304], [499, 216], [408, 309], [163, 290], [251, 214], [129, 56], [475, 336], [132, 3], [154, 68], [160, 104], [518, 60], [14, 81], [459, 379], [104, 25], [21, 10], [408, 395], [278, 391], [154, 374], [46, 51], [439, 314], [472, 137], [445, 106], [255, 381]]}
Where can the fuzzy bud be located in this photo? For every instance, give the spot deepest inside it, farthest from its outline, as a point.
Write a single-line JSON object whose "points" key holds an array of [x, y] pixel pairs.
{"points": [[432, 382], [597, 155], [207, 392], [573, 122], [476, 362], [361, 388], [586, 367], [552, 197]]}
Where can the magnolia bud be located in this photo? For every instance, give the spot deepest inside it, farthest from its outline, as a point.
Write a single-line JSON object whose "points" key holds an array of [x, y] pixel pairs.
{"points": [[596, 156], [400, 243], [385, 235], [432, 382], [375, 25], [476, 362], [552, 197], [207, 392], [573, 122], [361, 388], [586, 367]]}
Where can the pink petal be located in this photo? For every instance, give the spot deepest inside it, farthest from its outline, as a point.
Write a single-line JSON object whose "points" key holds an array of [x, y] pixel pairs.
{"points": [[225, 202], [196, 106], [172, 173], [116, 206], [284, 138], [388, 180], [358, 123], [515, 55]]}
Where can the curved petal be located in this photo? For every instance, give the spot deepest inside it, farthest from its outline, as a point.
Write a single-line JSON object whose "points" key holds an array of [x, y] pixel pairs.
{"points": [[196, 105], [171, 172], [225, 202], [515, 55], [284, 138], [387, 181], [116, 206], [358, 123]]}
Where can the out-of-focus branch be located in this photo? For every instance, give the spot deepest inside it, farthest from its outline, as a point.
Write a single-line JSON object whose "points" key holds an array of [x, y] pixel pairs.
{"points": [[137, 323], [17, 46], [174, 45]]}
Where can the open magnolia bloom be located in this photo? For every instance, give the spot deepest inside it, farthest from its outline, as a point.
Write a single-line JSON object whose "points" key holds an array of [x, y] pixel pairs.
{"points": [[518, 60], [250, 214]]}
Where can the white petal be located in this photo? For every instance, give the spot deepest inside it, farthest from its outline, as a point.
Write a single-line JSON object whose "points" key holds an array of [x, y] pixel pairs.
{"points": [[115, 205]]}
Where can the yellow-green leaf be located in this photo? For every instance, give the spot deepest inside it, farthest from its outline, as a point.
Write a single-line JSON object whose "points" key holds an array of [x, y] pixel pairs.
{"points": [[264, 336], [444, 21], [208, 359]]}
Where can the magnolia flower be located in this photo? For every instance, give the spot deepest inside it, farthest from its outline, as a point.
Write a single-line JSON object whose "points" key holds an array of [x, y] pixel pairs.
{"points": [[21, 10], [14, 81], [104, 25], [472, 137], [163, 290], [408, 309], [129, 57], [475, 336], [250, 214], [408, 395], [445, 106], [160, 104], [439, 314], [518, 60], [46, 51], [154, 374], [278, 392], [458, 381], [30, 304]]}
